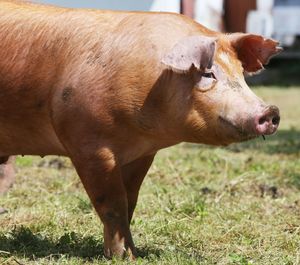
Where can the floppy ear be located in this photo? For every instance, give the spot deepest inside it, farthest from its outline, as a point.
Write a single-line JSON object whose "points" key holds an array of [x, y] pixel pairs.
{"points": [[254, 51], [192, 51]]}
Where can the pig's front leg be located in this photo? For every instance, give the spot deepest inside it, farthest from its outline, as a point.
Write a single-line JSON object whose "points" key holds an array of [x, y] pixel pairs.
{"points": [[101, 177], [133, 175]]}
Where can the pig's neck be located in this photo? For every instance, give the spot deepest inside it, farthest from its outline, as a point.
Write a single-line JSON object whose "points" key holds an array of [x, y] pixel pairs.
{"points": [[165, 107]]}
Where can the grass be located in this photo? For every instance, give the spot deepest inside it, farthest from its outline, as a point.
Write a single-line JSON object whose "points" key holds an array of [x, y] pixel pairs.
{"points": [[198, 205]]}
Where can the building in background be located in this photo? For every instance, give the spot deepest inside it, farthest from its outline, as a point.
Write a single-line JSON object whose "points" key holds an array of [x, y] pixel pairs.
{"points": [[130, 5], [271, 18], [206, 12]]}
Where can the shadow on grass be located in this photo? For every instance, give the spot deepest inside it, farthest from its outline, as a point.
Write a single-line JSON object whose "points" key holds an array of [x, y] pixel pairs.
{"points": [[283, 142], [22, 242]]}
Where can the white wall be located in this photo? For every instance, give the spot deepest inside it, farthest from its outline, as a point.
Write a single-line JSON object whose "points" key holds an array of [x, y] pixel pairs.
{"points": [[209, 13]]}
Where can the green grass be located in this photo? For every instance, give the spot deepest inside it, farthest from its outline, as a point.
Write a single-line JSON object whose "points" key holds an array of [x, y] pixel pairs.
{"points": [[198, 205]]}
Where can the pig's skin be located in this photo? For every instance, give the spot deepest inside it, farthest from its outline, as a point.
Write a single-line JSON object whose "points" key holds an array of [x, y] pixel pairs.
{"points": [[92, 85]]}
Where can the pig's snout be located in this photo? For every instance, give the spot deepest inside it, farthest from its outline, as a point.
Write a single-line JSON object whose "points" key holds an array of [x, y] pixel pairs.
{"points": [[267, 122]]}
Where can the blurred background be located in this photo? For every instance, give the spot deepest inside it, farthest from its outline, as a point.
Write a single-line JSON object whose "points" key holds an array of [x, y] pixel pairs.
{"points": [[278, 19], [238, 205]]}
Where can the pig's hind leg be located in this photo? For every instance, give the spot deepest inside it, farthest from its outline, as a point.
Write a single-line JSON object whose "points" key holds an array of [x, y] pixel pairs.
{"points": [[7, 173]]}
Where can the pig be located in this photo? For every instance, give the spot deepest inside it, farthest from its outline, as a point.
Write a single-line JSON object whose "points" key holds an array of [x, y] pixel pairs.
{"points": [[109, 89]]}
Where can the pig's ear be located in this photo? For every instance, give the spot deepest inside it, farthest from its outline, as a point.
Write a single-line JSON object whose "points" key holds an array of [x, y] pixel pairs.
{"points": [[254, 51], [192, 51]]}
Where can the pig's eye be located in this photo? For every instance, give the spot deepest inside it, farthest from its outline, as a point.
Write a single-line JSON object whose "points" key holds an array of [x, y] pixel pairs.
{"points": [[209, 75], [206, 82]]}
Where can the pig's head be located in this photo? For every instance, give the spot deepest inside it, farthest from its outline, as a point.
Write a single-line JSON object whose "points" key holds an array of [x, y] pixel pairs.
{"points": [[218, 106]]}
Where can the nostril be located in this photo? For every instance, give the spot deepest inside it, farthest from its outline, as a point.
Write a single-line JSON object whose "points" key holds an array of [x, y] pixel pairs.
{"points": [[276, 120], [267, 122], [262, 120]]}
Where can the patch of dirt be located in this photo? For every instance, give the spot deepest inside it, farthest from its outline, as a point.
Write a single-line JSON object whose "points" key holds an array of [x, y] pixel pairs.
{"points": [[206, 190], [266, 190]]}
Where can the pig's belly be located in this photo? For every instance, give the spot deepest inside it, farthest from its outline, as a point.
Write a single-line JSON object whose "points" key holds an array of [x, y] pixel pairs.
{"points": [[30, 139]]}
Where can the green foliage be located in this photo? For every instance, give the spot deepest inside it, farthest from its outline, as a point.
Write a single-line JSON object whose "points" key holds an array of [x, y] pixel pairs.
{"points": [[24, 161], [239, 259]]}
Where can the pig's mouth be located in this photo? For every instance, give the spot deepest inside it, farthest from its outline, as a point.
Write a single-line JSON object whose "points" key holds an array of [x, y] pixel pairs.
{"points": [[262, 123], [242, 134]]}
